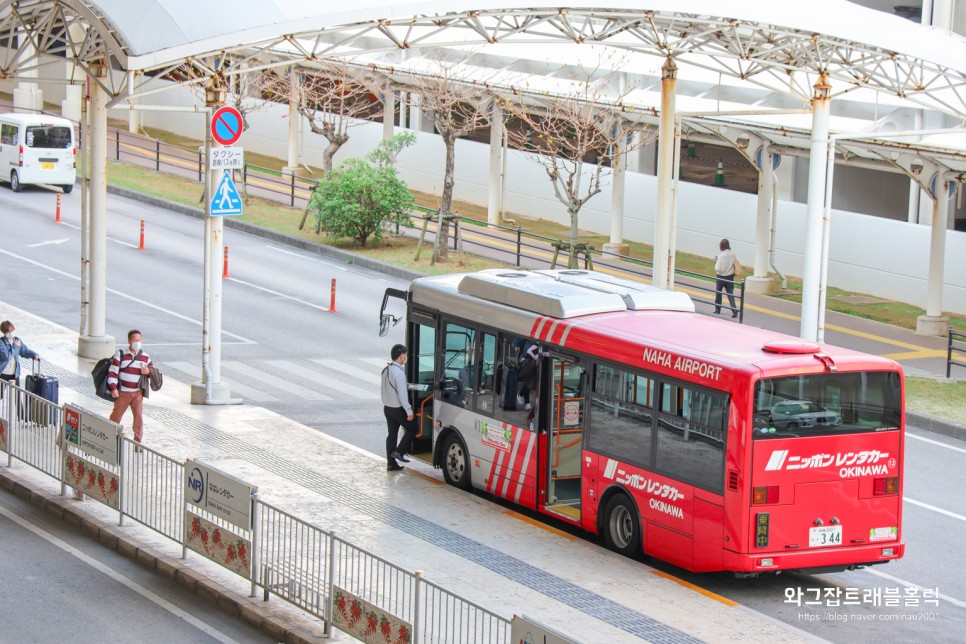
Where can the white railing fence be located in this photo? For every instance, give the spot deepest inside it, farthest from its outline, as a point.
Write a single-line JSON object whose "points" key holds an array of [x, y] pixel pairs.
{"points": [[315, 570]]}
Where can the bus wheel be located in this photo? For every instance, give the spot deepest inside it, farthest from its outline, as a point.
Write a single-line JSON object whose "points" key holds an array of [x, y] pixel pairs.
{"points": [[455, 463], [622, 529], [15, 184]]}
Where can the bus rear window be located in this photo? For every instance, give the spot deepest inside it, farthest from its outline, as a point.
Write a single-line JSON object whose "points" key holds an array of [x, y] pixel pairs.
{"points": [[48, 136], [828, 403]]}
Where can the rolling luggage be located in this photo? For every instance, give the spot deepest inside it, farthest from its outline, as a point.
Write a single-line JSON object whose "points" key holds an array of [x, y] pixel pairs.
{"points": [[48, 388]]}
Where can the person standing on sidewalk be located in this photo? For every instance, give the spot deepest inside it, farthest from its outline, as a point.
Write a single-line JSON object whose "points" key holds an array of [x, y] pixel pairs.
{"points": [[396, 408], [124, 381], [724, 269], [12, 349]]}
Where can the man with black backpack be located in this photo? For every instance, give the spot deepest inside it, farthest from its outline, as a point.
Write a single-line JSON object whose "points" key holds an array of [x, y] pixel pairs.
{"points": [[124, 382]]}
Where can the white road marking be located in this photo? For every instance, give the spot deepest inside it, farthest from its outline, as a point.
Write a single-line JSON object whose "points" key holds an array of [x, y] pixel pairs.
{"points": [[124, 295], [283, 383], [118, 577], [276, 293], [47, 243], [934, 442], [304, 373], [327, 262], [909, 584], [349, 370], [251, 393], [935, 509]]}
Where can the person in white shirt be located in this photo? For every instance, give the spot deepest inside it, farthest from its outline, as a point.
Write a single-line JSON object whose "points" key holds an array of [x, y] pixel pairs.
{"points": [[397, 410], [724, 268]]}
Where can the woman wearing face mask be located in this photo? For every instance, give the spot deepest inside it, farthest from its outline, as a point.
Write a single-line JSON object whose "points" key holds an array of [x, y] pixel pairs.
{"points": [[124, 380], [11, 349]]}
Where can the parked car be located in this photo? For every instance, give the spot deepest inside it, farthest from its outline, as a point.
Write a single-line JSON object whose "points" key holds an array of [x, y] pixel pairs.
{"points": [[790, 414]]}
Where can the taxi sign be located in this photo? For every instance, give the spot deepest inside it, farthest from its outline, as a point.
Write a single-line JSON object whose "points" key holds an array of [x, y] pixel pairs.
{"points": [[226, 125]]}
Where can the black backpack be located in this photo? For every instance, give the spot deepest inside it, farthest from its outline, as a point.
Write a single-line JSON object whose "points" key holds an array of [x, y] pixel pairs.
{"points": [[99, 373]]}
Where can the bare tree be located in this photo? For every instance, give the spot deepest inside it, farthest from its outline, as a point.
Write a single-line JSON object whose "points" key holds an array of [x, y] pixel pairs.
{"points": [[459, 107], [333, 97], [576, 136]]}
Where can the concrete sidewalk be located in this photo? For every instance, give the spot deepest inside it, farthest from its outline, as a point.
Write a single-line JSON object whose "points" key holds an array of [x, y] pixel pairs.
{"points": [[462, 542]]}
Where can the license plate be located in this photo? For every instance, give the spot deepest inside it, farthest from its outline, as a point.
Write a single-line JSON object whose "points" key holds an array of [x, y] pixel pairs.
{"points": [[47, 166], [830, 535]]}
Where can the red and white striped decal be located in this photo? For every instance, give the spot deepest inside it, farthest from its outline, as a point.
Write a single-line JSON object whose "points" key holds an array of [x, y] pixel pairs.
{"points": [[509, 470], [551, 330]]}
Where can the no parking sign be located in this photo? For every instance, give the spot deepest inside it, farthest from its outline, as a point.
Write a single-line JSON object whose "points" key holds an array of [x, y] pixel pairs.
{"points": [[226, 125]]}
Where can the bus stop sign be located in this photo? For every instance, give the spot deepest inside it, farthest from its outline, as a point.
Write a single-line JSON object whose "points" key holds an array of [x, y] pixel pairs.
{"points": [[226, 125]]}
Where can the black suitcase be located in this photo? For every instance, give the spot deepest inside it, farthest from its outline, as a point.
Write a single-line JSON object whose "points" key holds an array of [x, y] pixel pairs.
{"points": [[48, 388], [509, 402]]}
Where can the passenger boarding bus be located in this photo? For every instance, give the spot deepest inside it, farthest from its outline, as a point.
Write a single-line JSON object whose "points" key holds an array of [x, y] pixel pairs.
{"points": [[708, 444], [35, 148]]}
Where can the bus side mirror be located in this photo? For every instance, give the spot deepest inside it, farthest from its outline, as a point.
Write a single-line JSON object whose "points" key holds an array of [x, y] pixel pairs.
{"points": [[385, 321]]}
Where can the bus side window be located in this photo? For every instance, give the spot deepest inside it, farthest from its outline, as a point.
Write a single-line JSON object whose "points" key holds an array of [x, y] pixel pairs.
{"points": [[458, 382]]}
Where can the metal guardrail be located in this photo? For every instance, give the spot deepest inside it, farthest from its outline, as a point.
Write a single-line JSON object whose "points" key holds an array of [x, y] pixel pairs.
{"points": [[957, 345], [291, 558]]}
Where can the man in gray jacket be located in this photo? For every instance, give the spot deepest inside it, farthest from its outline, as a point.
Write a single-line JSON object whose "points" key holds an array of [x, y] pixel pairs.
{"points": [[396, 407]]}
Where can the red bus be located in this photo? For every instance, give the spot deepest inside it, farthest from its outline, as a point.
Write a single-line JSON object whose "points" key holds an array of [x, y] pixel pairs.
{"points": [[708, 444]]}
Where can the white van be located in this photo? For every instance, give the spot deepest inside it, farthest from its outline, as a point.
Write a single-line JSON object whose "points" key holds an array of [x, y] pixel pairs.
{"points": [[35, 148]]}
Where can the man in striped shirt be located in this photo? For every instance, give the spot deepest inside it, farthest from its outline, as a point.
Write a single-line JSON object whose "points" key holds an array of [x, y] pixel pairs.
{"points": [[124, 379]]}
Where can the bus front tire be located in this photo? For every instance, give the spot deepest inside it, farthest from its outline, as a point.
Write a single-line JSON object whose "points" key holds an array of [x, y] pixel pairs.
{"points": [[456, 463], [15, 184], [622, 528]]}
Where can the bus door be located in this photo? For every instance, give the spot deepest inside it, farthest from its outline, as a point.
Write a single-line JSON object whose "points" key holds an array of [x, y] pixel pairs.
{"points": [[565, 421], [422, 367]]}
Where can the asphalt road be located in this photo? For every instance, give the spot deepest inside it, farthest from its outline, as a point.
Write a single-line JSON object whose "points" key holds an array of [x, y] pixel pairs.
{"points": [[61, 586], [285, 351]]}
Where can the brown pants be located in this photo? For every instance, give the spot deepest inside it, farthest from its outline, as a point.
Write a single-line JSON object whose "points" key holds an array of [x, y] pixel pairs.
{"points": [[135, 401]]}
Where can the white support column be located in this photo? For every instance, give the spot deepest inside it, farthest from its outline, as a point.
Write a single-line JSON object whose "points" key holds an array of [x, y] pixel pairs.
{"points": [[403, 108], [294, 162], [134, 117], [817, 166], [415, 112], [495, 185], [71, 106], [759, 282], [663, 261], [27, 96], [618, 171], [96, 344], [934, 322], [388, 114]]}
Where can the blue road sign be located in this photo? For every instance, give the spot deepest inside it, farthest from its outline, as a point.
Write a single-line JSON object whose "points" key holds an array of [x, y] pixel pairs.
{"points": [[226, 200], [226, 125]]}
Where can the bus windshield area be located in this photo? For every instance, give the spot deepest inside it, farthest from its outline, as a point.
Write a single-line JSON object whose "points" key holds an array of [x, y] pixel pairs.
{"points": [[48, 136], [828, 403]]}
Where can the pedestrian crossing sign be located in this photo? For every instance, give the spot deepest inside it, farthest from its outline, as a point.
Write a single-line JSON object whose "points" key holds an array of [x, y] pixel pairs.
{"points": [[226, 200]]}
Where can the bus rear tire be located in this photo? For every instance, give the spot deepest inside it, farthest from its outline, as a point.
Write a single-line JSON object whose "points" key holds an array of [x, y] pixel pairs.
{"points": [[67, 188], [622, 528], [15, 184], [456, 469]]}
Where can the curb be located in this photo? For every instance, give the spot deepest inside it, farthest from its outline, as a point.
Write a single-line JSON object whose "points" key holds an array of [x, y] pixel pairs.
{"points": [[936, 425], [290, 630], [922, 421]]}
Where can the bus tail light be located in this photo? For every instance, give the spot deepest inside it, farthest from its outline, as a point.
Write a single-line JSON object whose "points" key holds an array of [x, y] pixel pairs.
{"points": [[885, 486], [20, 160], [763, 494]]}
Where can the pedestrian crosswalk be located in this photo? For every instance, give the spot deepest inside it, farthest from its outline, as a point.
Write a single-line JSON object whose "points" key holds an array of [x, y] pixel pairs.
{"points": [[276, 380]]}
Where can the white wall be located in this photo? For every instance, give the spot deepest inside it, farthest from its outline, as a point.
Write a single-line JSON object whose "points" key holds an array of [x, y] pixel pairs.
{"points": [[872, 255]]}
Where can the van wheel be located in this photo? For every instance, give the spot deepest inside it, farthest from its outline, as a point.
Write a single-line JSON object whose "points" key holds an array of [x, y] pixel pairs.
{"points": [[622, 528], [67, 188], [15, 184], [456, 462]]}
